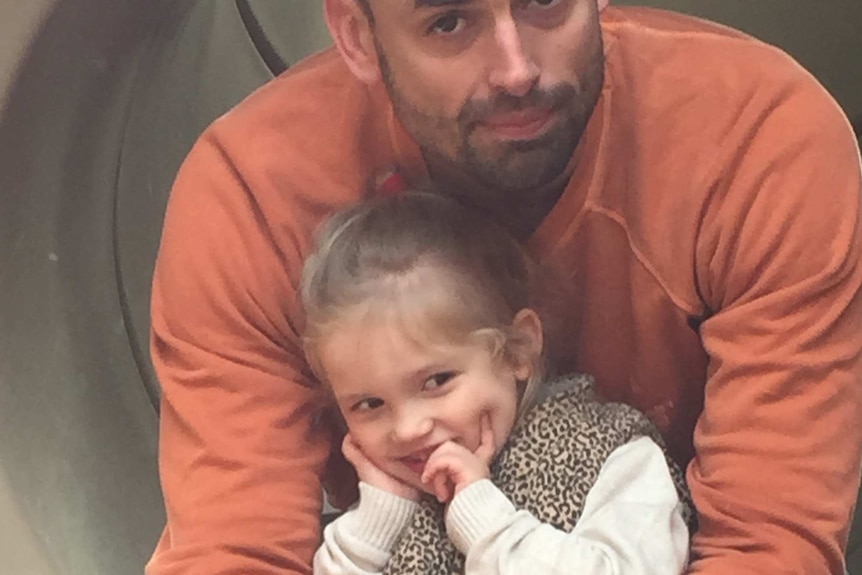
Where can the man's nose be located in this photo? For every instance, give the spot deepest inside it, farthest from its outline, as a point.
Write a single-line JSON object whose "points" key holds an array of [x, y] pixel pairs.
{"points": [[513, 70]]}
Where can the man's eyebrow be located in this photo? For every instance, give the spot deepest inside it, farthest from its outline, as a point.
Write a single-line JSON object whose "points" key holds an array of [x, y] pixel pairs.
{"points": [[419, 4]]}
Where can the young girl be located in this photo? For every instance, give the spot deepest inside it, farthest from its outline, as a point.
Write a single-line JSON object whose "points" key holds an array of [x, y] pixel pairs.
{"points": [[421, 322]]}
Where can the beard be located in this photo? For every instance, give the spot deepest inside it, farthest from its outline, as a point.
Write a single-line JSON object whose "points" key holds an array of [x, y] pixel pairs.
{"points": [[460, 145]]}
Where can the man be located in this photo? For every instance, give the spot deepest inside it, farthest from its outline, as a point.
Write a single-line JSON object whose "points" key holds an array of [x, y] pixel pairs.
{"points": [[694, 191]]}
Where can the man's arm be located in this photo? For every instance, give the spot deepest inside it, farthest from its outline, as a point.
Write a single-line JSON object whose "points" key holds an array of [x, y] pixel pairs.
{"points": [[779, 261], [240, 457]]}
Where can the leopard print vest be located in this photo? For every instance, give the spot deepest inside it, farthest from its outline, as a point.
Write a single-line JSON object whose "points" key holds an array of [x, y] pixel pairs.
{"points": [[551, 460]]}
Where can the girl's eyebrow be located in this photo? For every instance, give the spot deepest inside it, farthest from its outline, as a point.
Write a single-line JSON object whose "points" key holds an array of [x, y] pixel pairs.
{"points": [[352, 398], [427, 371]]}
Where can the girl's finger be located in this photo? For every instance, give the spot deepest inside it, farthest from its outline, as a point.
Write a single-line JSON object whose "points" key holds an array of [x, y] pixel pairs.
{"points": [[436, 476], [434, 467], [442, 487], [437, 461], [352, 452], [487, 444], [348, 448]]}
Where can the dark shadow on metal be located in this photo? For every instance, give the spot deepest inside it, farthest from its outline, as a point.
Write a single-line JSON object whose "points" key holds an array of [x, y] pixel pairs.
{"points": [[267, 51]]}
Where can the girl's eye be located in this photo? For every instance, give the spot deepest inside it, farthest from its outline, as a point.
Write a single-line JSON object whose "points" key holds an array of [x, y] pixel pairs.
{"points": [[367, 404], [450, 23], [437, 380], [546, 3]]}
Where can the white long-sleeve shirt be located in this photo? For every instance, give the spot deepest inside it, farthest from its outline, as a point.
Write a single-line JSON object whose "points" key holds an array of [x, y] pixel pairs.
{"points": [[631, 524]]}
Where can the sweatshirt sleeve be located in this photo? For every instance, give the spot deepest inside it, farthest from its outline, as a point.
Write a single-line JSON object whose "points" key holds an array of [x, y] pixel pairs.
{"points": [[631, 523], [240, 457], [360, 541], [779, 264]]}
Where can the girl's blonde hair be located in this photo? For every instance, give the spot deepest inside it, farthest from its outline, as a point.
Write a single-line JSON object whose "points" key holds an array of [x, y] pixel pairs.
{"points": [[445, 272]]}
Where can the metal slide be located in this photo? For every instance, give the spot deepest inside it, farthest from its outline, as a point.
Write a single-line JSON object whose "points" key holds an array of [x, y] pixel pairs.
{"points": [[108, 101]]}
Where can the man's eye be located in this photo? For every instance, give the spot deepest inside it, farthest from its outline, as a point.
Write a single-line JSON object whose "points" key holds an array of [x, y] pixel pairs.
{"points": [[367, 404], [451, 23], [437, 380], [543, 3]]}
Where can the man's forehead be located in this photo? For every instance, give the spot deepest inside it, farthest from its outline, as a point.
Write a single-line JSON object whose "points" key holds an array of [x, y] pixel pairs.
{"points": [[436, 3], [420, 7]]}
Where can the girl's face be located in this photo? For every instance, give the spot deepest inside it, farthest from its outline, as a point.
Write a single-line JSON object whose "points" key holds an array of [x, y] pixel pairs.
{"points": [[401, 399]]}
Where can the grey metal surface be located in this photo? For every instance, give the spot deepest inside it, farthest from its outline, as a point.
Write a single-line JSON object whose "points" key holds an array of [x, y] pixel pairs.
{"points": [[293, 27], [106, 104], [20, 548], [79, 434], [19, 22]]}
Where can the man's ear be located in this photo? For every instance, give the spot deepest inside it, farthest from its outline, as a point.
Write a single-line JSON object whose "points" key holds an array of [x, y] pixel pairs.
{"points": [[350, 29], [602, 4], [528, 341]]}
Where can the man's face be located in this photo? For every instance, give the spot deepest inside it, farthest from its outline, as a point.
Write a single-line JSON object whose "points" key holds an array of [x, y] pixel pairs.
{"points": [[499, 91]]}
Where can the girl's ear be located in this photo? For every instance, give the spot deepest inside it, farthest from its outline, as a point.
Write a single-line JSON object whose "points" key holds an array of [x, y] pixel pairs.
{"points": [[602, 4], [527, 342], [354, 38]]}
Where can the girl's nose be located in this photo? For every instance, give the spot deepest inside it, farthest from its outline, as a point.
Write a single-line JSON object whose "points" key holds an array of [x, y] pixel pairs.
{"points": [[411, 426]]}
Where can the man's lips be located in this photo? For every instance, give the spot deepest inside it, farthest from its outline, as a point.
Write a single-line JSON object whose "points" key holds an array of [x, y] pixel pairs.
{"points": [[519, 124]]}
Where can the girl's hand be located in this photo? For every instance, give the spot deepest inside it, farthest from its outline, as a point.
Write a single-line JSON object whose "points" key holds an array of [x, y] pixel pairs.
{"points": [[452, 467], [373, 475]]}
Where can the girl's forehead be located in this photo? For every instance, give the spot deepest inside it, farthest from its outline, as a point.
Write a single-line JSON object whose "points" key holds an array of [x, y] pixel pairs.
{"points": [[425, 307], [416, 325], [426, 303]]}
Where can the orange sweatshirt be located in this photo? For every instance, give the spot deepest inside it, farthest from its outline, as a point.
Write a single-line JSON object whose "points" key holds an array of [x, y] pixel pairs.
{"points": [[709, 240]]}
